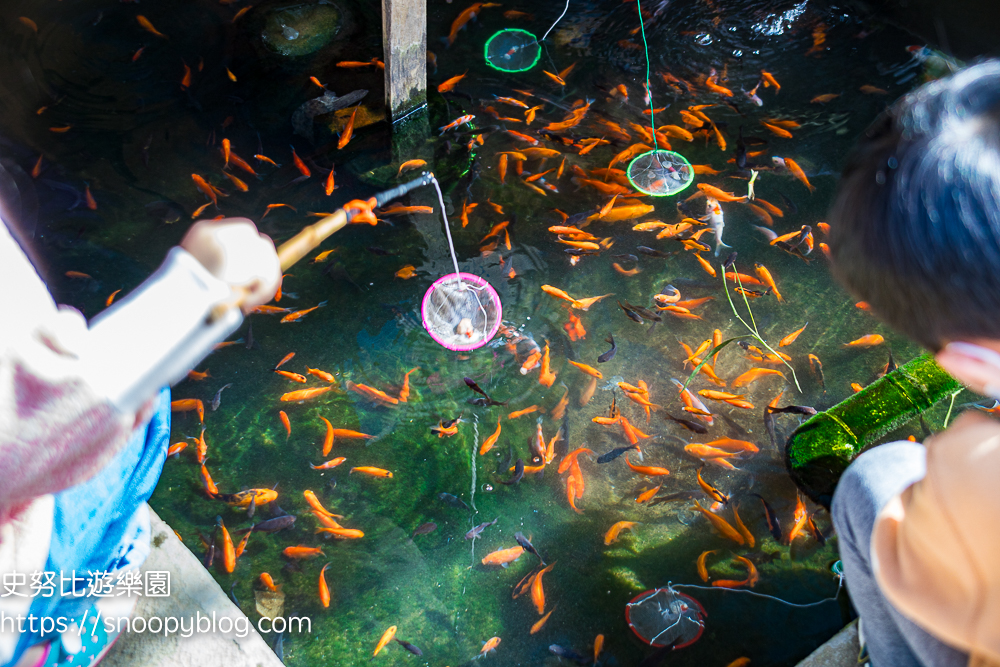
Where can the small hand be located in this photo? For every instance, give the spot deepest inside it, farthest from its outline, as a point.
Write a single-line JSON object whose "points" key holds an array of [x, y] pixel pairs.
{"points": [[235, 252]]}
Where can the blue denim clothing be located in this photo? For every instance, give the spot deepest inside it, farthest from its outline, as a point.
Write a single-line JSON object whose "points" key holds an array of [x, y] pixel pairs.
{"points": [[102, 525], [864, 489]]}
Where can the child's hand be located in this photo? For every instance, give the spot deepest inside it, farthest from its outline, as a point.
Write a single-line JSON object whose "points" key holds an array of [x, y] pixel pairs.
{"points": [[235, 252]]}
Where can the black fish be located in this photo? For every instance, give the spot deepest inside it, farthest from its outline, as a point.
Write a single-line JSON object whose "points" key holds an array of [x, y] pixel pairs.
{"points": [[651, 252], [218, 397], [816, 532], [276, 524], [577, 252], [729, 260], [615, 453], [741, 150], [632, 315], [752, 293], [678, 495], [793, 251], [375, 250], [250, 341], [889, 367], [471, 384], [569, 654], [454, 501], [645, 312], [425, 528], [772, 519], [252, 509], [792, 208], [410, 647], [485, 402], [686, 423], [475, 532], [527, 546], [794, 410], [518, 474], [629, 258], [610, 354], [232, 594], [769, 426]]}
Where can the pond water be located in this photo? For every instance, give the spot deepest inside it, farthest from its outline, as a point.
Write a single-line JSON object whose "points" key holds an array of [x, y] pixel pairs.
{"points": [[137, 130]]}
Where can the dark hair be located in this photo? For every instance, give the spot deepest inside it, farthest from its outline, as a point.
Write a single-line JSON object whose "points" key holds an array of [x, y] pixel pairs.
{"points": [[915, 227]]}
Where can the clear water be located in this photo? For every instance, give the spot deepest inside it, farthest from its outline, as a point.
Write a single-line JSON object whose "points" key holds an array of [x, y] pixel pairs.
{"points": [[433, 587]]}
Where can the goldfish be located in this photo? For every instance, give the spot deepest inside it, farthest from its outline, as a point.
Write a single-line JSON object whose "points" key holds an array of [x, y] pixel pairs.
{"points": [[442, 430], [244, 498], [720, 524], [342, 533], [795, 170], [304, 394], [613, 532], [869, 340], [324, 590], [537, 592], [754, 374], [651, 471], [371, 471], [407, 272], [446, 87], [228, 551], [790, 338], [61, 130], [800, 517], [205, 188], [777, 131], [692, 404], [531, 361], [700, 564], [148, 27], [490, 441], [744, 531], [461, 120], [371, 393], [348, 131], [188, 404], [649, 493], [589, 370], [720, 195], [299, 314], [541, 622], [322, 375], [546, 377], [410, 164], [738, 445], [332, 463], [177, 448], [824, 99], [210, 488], [294, 377], [404, 392], [768, 280], [872, 90], [503, 557], [268, 582], [385, 639], [490, 645], [317, 506]]}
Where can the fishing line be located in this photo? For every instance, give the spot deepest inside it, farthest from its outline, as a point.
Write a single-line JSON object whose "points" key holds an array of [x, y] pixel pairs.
{"points": [[649, 92], [840, 584], [565, 9]]}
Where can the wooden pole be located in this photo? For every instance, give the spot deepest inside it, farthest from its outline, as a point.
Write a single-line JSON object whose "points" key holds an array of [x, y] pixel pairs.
{"points": [[404, 45]]}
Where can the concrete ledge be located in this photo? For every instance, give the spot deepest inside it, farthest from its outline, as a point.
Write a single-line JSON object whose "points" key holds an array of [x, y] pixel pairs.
{"points": [[840, 651], [193, 590]]}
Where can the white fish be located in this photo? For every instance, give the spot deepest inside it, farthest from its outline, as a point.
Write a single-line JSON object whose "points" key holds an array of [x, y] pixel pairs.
{"points": [[717, 222]]}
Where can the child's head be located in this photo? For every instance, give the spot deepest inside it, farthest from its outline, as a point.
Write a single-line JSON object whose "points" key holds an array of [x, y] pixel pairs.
{"points": [[915, 228]]}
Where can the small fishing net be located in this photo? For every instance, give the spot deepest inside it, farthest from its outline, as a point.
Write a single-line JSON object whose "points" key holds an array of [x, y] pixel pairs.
{"points": [[516, 50], [460, 311], [660, 173], [663, 616], [512, 50]]}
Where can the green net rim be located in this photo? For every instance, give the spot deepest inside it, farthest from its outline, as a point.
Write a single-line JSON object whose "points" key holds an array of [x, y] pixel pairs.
{"points": [[674, 156], [486, 50]]}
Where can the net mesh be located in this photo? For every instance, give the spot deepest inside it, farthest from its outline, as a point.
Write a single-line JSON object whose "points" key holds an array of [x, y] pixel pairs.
{"points": [[461, 311], [663, 616], [660, 173], [512, 50]]}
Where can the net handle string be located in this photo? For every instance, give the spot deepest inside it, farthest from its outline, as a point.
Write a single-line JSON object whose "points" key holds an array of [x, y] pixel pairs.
{"points": [[447, 228], [840, 584]]}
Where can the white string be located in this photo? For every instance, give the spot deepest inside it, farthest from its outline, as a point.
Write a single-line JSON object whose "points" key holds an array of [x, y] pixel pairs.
{"points": [[447, 227], [565, 9], [840, 583]]}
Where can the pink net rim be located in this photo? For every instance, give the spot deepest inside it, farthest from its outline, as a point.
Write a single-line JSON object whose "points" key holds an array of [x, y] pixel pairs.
{"points": [[478, 282]]}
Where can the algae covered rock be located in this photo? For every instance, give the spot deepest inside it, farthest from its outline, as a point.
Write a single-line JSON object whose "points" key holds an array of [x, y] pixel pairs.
{"points": [[302, 28]]}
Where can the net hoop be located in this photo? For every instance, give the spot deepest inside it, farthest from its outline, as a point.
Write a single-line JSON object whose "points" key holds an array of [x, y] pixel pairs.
{"points": [[681, 173], [426, 307], [642, 597], [528, 41]]}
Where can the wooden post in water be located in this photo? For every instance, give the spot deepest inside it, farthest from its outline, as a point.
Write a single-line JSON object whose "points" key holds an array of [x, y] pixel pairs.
{"points": [[404, 45]]}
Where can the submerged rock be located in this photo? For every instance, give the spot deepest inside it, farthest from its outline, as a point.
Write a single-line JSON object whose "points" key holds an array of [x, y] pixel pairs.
{"points": [[301, 29], [302, 119]]}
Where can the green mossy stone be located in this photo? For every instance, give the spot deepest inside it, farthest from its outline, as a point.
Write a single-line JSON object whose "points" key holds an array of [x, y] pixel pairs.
{"points": [[298, 30]]}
